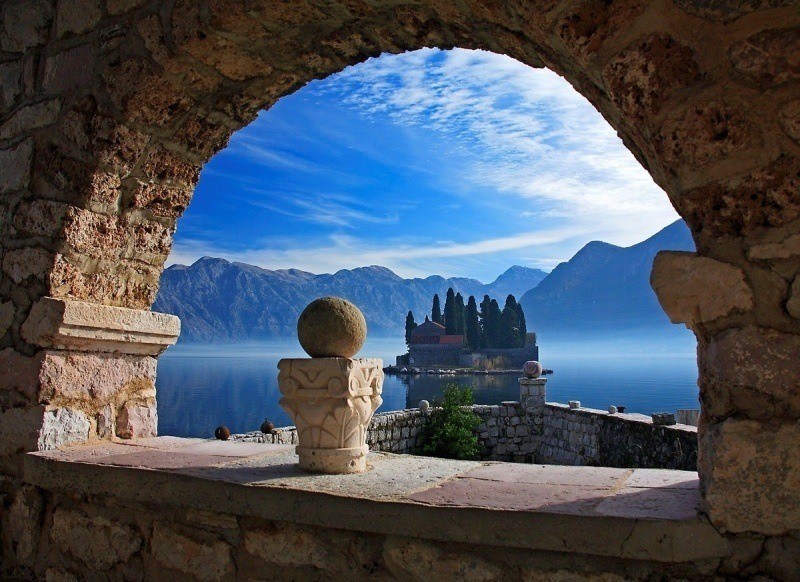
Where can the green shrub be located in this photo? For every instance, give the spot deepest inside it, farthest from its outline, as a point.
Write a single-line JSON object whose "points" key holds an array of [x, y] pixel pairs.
{"points": [[450, 430]]}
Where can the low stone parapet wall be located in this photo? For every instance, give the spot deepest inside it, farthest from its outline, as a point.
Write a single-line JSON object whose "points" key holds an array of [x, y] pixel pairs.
{"points": [[559, 436], [584, 436]]}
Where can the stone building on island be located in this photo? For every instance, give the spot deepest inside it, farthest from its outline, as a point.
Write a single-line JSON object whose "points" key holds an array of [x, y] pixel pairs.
{"points": [[430, 345]]}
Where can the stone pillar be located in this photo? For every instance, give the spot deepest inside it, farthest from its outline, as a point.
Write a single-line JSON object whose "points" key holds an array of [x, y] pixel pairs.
{"points": [[532, 395], [91, 377], [749, 378], [331, 397], [331, 401]]}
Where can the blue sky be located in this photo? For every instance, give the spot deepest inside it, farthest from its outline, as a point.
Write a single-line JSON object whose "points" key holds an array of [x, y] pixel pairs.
{"points": [[458, 163]]}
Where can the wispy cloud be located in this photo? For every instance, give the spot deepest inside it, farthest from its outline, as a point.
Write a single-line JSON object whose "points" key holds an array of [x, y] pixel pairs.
{"points": [[529, 133], [508, 141], [332, 209], [407, 258]]}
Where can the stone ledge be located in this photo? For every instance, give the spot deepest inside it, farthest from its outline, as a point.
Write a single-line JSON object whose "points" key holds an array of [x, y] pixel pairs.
{"points": [[636, 514], [619, 416], [75, 325]]}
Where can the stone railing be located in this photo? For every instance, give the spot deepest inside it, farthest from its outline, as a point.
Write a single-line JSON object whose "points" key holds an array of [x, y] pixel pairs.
{"points": [[558, 435]]}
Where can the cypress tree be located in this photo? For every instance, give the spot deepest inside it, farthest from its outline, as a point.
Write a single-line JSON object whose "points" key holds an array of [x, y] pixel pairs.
{"points": [[484, 316], [436, 311], [523, 328], [410, 326], [460, 315], [472, 327], [509, 327], [450, 318], [493, 327]]}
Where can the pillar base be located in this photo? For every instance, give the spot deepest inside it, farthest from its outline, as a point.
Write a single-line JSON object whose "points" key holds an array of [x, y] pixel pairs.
{"points": [[333, 461]]}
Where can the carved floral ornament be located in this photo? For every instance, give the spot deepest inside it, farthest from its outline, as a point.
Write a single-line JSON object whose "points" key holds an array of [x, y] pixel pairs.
{"points": [[331, 401]]}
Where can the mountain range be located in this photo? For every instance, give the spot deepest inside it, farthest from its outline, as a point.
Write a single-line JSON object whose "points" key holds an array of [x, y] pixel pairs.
{"points": [[220, 301], [602, 286]]}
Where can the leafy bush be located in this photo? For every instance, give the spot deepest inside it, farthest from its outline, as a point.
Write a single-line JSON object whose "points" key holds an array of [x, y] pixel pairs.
{"points": [[450, 430]]}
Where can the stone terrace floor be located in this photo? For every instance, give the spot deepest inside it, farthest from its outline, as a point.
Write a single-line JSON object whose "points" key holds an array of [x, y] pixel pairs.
{"points": [[637, 513]]}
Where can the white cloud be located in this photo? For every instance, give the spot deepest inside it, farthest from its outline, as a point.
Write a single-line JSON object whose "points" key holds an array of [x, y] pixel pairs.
{"points": [[524, 134], [409, 259], [529, 134]]}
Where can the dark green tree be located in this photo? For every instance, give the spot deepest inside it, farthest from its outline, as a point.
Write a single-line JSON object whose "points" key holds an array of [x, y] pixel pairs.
{"points": [[509, 324], [450, 317], [523, 328], [451, 430], [410, 326], [436, 311], [460, 314], [472, 327], [484, 318], [493, 326]]}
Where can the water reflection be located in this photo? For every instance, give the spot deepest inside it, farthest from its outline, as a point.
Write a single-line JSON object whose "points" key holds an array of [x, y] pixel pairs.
{"points": [[201, 387]]}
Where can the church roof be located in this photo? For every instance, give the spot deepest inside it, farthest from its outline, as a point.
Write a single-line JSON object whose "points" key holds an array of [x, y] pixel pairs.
{"points": [[429, 328]]}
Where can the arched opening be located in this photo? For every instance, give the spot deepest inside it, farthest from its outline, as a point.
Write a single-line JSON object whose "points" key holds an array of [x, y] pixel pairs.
{"points": [[400, 178], [99, 160]]}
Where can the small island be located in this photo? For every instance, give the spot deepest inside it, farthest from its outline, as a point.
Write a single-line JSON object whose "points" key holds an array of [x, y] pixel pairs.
{"points": [[468, 339]]}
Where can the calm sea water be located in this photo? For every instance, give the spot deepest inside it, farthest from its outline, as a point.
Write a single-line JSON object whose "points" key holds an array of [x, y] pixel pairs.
{"points": [[203, 386]]}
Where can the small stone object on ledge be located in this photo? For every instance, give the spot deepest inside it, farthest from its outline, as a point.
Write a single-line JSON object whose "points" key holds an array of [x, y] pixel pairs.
{"points": [[331, 327], [621, 408], [574, 403], [532, 369], [612, 409], [222, 433], [663, 418], [424, 406], [267, 427]]}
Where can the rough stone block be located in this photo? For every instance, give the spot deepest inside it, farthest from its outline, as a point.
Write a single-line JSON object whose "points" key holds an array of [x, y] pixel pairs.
{"points": [[750, 475], [78, 16], [136, 420], [793, 303], [10, 86], [15, 167], [7, 312], [694, 289], [203, 560], [24, 263], [752, 370], [25, 515], [96, 541], [29, 118], [24, 23], [63, 426]]}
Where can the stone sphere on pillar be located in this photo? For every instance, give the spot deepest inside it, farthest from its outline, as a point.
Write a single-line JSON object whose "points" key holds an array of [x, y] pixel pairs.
{"points": [[532, 369], [331, 327]]}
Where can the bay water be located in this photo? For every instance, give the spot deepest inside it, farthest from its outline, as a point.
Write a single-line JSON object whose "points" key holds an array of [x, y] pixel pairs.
{"points": [[203, 386]]}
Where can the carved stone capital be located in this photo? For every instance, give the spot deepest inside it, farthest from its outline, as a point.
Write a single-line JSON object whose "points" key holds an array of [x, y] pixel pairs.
{"points": [[75, 325], [331, 401]]}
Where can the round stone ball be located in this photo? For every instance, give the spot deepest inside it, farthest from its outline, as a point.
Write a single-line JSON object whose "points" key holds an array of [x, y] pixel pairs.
{"points": [[222, 433], [612, 409], [532, 369], [331, 327], [424, 406], [267, 427]]}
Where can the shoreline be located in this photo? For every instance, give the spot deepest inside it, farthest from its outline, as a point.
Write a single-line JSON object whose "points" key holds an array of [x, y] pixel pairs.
{"points": [[415, 371]]}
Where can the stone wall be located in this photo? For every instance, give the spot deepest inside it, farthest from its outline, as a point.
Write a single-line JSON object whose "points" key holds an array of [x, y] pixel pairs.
{"points": [[109, 109], [433, 355], [513, 358], [585, 436], [531, 432]]}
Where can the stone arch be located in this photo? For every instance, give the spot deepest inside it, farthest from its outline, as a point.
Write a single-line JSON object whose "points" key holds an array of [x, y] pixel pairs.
{"points": [[110, 110]]}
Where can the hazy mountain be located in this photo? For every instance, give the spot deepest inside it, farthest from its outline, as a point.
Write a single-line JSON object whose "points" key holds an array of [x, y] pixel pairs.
{"points": [[220, 301], [604, 287]]}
